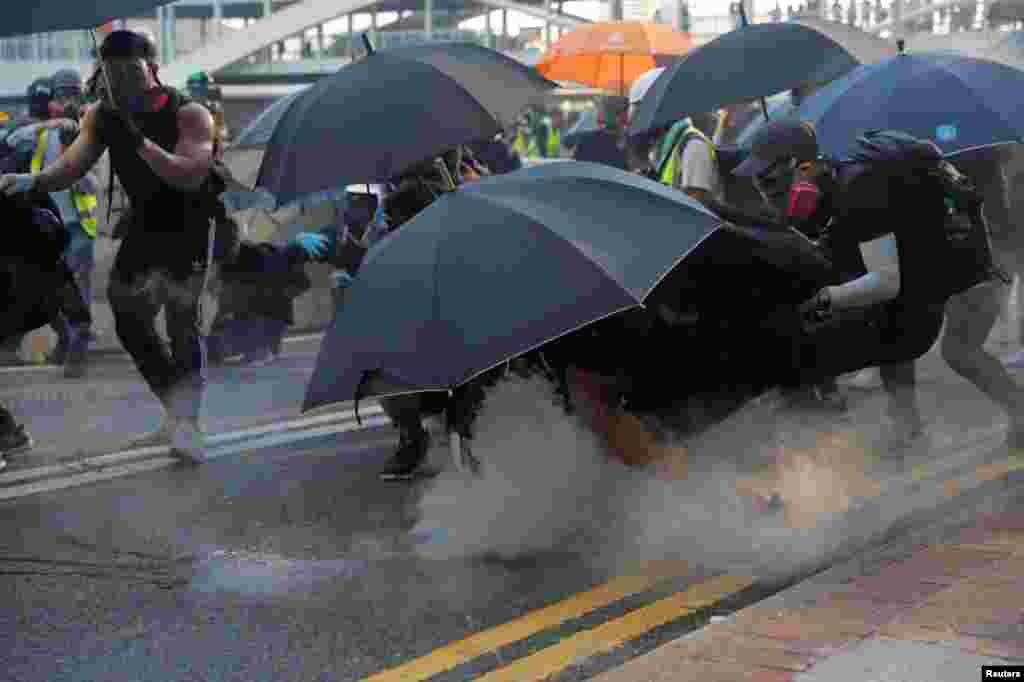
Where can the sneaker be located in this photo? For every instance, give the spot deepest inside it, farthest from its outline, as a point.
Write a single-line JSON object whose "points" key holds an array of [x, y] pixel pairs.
{"points": [[15, 442], [409, 458], [188, 442]]}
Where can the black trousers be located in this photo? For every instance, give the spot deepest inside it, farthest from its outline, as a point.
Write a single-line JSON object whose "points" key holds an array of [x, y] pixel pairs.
{"points": [[890, 335], [145, 280]]}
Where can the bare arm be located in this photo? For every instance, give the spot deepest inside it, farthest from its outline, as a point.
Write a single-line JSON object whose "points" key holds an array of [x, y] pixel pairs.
{"points": [[187, 167], [880, 284], [76, 161]]}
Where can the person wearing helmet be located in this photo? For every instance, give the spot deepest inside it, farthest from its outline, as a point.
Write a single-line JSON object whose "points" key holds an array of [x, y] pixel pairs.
{"points": [[161, 147], [77, 208]]}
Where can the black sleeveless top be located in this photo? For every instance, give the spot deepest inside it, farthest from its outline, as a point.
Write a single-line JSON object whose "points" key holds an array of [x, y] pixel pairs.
{"points": [[157, 206]]}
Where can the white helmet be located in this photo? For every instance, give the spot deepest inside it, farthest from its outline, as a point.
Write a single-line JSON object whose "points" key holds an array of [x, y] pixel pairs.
{"points": [[643, 83]]}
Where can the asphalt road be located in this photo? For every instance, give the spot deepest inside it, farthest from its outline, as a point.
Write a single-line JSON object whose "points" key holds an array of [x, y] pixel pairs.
{"points": [[295, 562]]}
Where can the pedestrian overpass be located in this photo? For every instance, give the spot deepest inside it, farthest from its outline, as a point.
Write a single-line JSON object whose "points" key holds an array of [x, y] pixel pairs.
{"points": [[302, 16]]}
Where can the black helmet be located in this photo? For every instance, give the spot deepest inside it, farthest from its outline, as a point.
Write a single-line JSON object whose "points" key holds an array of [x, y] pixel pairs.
{"points": [[67, 80], [128, 44], [39, 94]]}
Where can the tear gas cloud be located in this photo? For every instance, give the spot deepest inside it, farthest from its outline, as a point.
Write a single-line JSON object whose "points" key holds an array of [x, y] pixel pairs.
{"points": [[549, 484]]}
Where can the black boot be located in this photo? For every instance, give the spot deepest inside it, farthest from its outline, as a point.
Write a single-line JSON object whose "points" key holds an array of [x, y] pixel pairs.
{"points": [[409, 457]]}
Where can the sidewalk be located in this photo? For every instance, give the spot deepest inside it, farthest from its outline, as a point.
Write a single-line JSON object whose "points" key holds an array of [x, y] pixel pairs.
{"points": [[934, 612]]}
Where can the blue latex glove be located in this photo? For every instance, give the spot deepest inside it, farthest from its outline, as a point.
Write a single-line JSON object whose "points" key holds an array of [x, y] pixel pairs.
{"points": [[342, 280], [313, 244]]}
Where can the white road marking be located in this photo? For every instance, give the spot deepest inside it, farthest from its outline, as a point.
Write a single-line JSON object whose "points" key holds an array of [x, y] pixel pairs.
{"points": [[81, 476]]}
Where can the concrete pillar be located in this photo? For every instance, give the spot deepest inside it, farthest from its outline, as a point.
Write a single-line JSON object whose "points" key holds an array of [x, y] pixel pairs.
{"points": [[320, 38], [428, 19], [172, 32], [268, 9], [561, 10], [373, 28], [218, 19], [547, 32], [504, 29], [161, 15], [488, 29], [351, 34]]}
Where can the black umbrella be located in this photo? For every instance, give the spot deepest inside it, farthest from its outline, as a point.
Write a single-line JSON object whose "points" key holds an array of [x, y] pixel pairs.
{"points": [[959, 102], [261, 129], [396, 108], [755, 61], [42, 16], [500, 267]]}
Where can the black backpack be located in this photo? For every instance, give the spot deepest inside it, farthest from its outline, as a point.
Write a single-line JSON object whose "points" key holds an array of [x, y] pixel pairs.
{"points": [[966, 258]]}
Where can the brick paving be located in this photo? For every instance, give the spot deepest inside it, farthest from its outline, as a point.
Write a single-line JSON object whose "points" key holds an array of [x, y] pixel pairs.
{"points": [[938, 612]]}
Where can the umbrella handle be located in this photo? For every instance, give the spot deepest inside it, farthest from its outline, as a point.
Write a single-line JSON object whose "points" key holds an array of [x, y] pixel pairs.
{"points": [[746, 22]]}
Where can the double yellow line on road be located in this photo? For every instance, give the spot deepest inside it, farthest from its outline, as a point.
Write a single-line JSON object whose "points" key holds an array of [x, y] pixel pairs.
{"points": [[572, 649]]}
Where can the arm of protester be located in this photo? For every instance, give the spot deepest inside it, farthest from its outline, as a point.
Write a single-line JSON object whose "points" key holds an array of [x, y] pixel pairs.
{"points": [[880, 284], [77, 160], [694, 170], [188, 166]]}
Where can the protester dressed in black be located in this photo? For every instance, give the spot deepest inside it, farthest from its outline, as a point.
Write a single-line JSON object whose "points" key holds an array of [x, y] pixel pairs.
{"points": [[161, 147]]}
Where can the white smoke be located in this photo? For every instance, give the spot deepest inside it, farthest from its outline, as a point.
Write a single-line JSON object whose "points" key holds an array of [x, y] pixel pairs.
{"points": [[549, 481]]}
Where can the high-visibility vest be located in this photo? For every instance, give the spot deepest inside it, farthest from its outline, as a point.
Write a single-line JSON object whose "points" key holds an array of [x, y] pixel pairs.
{"points": [[554, 143], [519, 145], [85, 203], [668, 164]]}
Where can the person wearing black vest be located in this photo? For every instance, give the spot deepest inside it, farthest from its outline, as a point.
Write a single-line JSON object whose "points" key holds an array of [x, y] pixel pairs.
{"points": [[888, 310], [161, 148], [897, 290]]}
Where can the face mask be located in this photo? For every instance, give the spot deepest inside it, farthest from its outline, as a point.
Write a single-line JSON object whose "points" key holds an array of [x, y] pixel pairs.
{"points": [[802, 201]]}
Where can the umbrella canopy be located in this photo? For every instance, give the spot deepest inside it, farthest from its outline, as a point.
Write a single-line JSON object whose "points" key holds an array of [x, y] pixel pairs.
{"points": [[394, 109], [500, 267], [43, 16], [259, 132], [755, 61], [610, 55], [959, 102]]}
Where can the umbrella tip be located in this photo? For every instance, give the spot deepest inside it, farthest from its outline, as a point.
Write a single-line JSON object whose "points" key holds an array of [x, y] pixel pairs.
{"points": [[367, 44], [901, 44]]}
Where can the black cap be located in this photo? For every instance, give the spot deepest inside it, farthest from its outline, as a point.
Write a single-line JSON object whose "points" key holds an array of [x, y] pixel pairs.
{"points": [[39, 94], [127, 45], [67, 79], [776, 140]]}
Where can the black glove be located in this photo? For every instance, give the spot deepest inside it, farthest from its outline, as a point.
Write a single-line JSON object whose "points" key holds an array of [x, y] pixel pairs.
{"points": [[117, 129], [817, 310]]}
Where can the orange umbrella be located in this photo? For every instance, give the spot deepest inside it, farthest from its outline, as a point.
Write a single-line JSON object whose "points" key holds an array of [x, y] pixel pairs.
{"points": [[611, 54]]}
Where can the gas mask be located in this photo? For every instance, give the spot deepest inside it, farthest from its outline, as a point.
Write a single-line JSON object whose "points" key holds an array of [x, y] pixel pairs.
{"points": [[129, 83]]}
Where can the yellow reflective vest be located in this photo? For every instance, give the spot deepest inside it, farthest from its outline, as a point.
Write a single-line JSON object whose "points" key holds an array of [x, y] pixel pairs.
{"points": [[668, 169], [520, 145], [85, 203], [554, 143]]}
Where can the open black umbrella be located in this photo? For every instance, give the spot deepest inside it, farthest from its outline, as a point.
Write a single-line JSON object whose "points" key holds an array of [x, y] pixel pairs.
{"points": [[395, 108], [959, 102], [755, 61], [43, 16], [261, 129], [500, 267]]}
